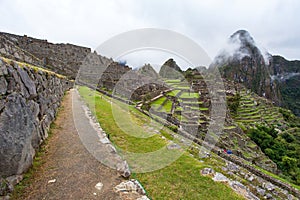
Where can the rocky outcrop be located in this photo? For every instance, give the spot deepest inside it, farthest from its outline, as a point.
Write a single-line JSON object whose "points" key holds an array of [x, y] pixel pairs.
{"points": [[286, 76], [269, 76], [170, 70], [64, 59], [130, 84], [112, 75], [9, 50], [148, 70], [245, 63], [29, 100]]}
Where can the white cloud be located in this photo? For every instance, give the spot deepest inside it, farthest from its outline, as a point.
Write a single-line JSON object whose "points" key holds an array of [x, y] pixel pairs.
{"points": [[272, 23]]}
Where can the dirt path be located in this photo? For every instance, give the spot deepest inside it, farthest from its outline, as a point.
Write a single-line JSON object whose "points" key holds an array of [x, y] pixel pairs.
{"points": [[76, 171]]}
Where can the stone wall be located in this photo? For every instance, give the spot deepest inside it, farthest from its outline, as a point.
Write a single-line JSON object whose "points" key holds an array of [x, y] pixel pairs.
{"points": [[29, 100], [65, 59]]}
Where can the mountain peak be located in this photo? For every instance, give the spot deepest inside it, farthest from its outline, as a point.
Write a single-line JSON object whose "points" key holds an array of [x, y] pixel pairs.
{"points": [[240, 45], [170, 69], [243, 37], [148, 70]]}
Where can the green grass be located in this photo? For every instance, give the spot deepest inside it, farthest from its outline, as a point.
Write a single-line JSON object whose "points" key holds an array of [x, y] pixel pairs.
{"points": [[179, 180], [203, 109], [155, 106], [266, 114], [189, 95], [172, 81], [182, 180], [246, 121], [248, 113], [167, 106], [229, 127], [173, 93], [157, 103], [178, 108], [193, 102], [251, 144], [182, 87]]}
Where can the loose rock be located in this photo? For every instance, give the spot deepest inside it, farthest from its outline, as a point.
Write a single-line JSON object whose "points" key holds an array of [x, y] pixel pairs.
{"points": [[207, 171], [131, 186], [260, 191], [52, 181], [220, 177], [173, 146], [123, 169], [143, 198], [99, 186]]}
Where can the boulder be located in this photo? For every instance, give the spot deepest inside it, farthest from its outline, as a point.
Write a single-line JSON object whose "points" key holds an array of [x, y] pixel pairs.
{"points": [[131, 187], [249, 177], [260, 191], [269, 186], [268, 196], [220, 178], [290, 197], [232, 167]]}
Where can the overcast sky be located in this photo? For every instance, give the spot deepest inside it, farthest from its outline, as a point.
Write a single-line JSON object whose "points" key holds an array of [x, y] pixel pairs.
{"points": [[274, 24]]}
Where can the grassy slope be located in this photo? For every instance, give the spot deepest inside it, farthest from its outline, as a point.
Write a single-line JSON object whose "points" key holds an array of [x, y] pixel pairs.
{"points": [[180, 180], [250, 115]]}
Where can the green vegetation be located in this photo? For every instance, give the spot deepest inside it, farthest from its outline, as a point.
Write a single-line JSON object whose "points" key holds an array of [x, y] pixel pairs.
{"points": [[249, 109], [203, 109], [162, 103], [179, 180], [172, 81], [288, 116], [283, 149], [289, 89], [183, 87], [167, 106], [234, 102], [189, 95], [173, 93], [274, 130], [158, 103]]}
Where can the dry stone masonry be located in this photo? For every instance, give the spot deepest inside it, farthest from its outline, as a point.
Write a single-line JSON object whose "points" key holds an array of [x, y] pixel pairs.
{"points": [[29, 100]]}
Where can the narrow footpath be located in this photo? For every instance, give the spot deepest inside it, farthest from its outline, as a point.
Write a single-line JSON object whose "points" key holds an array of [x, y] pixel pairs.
{"points": [[72, 171]]}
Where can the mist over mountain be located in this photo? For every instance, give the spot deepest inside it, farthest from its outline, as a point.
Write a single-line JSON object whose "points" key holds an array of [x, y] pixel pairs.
{"points": [[273, 77], [240, 45]]}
